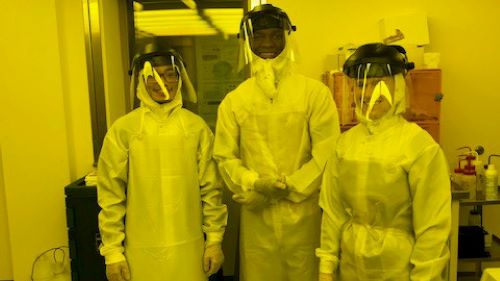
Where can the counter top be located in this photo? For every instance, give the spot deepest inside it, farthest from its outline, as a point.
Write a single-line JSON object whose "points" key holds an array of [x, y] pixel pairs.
{"points": [[463, 196]]}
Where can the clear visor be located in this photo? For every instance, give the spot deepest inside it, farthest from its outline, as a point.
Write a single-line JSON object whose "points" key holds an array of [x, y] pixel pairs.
{"points": [[162, 77], [266, 38], [373, 90], [161, 81]]}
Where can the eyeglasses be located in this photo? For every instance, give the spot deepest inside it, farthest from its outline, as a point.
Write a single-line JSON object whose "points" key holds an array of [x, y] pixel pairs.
{"points": [[170, 76], [167, 78], [366, 101]]}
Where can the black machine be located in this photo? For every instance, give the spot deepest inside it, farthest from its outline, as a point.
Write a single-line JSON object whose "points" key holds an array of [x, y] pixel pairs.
{"points": [[471, 242], [83, 233]]}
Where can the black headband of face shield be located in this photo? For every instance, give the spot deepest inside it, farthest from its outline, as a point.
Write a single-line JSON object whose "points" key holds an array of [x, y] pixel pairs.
{"points": [[156, 58], [266, 16], [379, 56]]}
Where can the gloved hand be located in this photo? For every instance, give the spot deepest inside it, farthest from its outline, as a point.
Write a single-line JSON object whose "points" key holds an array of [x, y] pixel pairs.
{"points": [[213, 258], [252, 199], [118, 271], [326, 277], [272, 187]]}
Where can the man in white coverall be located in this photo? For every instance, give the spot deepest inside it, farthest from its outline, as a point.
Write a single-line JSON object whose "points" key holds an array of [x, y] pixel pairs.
{"points": [[386, 191], [158, 186], [273, 136]]}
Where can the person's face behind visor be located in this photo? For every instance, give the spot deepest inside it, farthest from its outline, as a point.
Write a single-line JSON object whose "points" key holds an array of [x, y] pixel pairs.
{"points": [[268, 43], [170, 79], [373, 95]]}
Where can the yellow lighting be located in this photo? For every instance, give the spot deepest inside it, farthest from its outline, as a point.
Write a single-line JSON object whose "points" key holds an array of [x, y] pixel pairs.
{"points": [[166, 18], [177, 24], [190, 25], [170, 12], [171, 22], [188, 22], [180, 31], [137, 6], [254, 3], [224, 12], [227, 20], [190, 3]]}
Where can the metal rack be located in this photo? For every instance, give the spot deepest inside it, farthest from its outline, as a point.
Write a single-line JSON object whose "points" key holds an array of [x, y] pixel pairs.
{"points": [[494, 249]]}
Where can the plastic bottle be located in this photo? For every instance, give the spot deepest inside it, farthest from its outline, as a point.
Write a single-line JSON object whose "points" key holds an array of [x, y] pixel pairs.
{"points": [[479, 171], [480, 179], [457, 176], [491, 176], [460, 180], [469, 180]]}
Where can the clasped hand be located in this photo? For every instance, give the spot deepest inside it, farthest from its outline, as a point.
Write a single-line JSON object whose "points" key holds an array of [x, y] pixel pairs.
{"points": [[272, 187]]}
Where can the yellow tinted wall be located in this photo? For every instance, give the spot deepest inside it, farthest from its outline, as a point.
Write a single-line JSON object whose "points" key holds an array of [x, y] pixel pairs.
{"points": [[45, 124]]}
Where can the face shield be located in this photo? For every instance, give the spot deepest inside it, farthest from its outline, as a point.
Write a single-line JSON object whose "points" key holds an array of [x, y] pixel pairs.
{"points": [[160, 76], [373, 95], [266, 33], [375, 78]]}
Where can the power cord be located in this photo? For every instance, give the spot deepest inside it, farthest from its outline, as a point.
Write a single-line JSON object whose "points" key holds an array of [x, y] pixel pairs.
{"points": [[54, 256]]}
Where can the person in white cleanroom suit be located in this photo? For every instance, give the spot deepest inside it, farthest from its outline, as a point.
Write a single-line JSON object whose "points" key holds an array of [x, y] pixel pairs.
{"points": [[158, 185], [386, 191], [273, 135]]}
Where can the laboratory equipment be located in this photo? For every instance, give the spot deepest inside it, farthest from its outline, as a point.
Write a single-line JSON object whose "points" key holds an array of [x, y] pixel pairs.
{"points": [[479, 170], [83, 233], [471, 242]]}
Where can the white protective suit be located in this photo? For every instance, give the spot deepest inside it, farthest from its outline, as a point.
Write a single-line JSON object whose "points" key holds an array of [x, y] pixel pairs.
{"points": [[159, 191], [386, 202], [265, 133]]}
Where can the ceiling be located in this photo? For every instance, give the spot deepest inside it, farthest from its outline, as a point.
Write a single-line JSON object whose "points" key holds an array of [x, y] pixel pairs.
{"points": [[187, 17], [178, 4]]}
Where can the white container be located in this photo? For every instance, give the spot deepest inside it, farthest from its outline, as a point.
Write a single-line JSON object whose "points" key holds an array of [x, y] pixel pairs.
{"points": [[469, 185], [456, 177], [491, 175]]}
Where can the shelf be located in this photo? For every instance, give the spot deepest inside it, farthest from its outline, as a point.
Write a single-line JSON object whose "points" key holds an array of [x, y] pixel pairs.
{"points": [[494, 252], [463, 197], [459, 195], [479, 202], [470, 202]]}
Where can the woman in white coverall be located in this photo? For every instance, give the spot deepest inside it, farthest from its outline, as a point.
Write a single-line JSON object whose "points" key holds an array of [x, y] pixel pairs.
{"points": [[272, 140], [158, 186], [386, 191]]}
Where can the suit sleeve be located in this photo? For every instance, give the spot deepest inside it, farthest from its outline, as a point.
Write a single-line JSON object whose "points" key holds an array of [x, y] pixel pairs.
{"points": [[332, 222], [227, 152], [214, 211], [112, 176], [324, 130], [431, 201]]}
